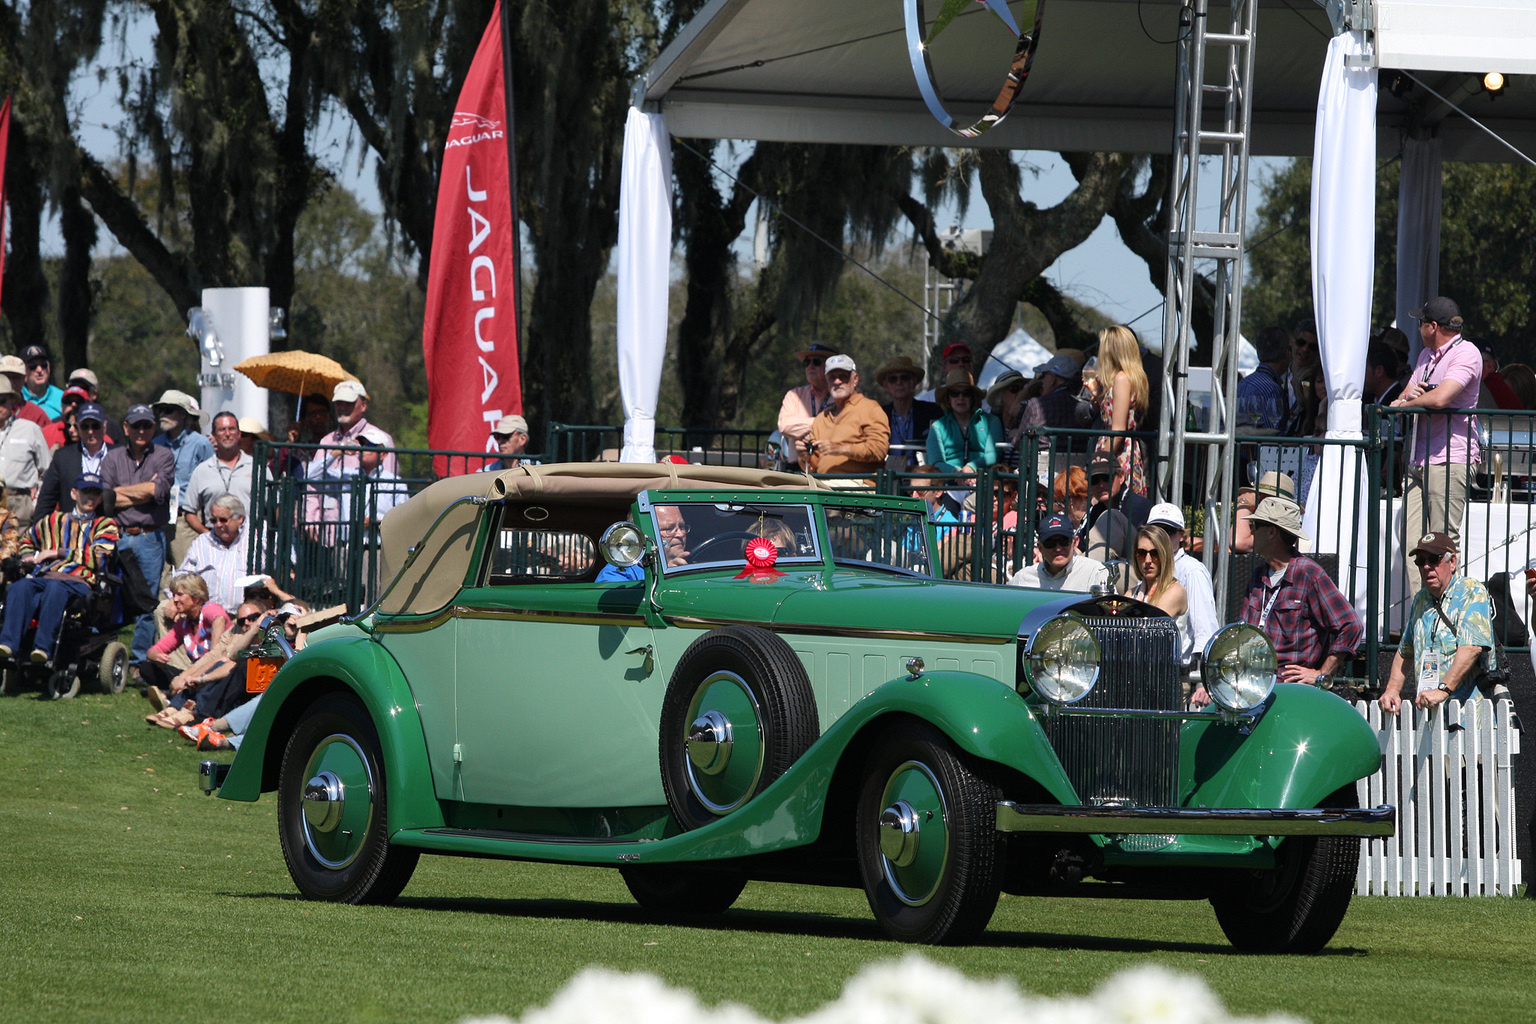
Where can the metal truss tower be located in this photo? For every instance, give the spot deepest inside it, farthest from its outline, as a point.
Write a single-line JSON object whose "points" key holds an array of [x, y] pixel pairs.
{"points": [[1216, 235]]}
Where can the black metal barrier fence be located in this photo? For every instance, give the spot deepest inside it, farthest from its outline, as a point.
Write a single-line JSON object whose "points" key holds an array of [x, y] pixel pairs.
{"points": [[315, 514]]}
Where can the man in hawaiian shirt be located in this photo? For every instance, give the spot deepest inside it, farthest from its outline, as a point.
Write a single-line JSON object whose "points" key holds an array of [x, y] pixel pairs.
{"points": [[1449, 639]]}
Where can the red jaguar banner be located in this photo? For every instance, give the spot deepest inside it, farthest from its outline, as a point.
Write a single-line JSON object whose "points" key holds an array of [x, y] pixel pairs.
{"points": [[470, 332]]}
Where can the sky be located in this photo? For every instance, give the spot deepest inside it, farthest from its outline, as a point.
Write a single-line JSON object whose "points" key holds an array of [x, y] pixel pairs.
{"points": [[1101, 272]]}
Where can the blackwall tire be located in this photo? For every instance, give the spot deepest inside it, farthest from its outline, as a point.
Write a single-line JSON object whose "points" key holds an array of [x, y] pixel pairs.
{"points": [[928, 847], [683, 889], [738, 712], [331, 808], [1298, 905]]}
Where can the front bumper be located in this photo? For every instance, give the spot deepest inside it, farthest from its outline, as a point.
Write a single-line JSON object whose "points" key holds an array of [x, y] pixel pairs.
{"points": [[1372, 821]]}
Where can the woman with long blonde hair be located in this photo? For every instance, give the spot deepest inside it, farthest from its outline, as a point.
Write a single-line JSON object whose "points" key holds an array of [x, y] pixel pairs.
{"points": [[1152, 562], [1123, 394]]}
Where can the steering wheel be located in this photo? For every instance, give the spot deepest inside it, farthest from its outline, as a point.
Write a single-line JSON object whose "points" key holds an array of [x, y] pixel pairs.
{"points": [[740, 536]]}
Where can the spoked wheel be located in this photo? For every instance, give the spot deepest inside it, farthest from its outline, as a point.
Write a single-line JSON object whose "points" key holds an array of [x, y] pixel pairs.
{"points": [[331, 808], [738, 712], [682, 888], [1298, 905], [112, 673], [928, 847]]}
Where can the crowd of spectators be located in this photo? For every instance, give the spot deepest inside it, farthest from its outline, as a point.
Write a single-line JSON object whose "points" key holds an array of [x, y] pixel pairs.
{"points": [[161, 498]]}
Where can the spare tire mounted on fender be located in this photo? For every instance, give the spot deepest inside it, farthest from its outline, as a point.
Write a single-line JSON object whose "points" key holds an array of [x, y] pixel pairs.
{"points": [[738, 712]]}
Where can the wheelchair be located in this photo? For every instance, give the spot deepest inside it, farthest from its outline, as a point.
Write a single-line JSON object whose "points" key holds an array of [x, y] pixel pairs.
{"points": [[87, 648]]}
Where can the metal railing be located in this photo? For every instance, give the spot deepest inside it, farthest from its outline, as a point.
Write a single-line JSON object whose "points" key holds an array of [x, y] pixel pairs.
{"points": [[319, 532], [316, 509]]}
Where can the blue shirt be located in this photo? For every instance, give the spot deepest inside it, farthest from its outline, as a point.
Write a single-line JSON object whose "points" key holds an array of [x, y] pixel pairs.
{"points": [[1262, 396], [49, 402], [190, 450], [613, 574]]}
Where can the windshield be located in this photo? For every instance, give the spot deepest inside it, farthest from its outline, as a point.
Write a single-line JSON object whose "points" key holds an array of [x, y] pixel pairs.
{"points": [[696, 536], [890, 537]]}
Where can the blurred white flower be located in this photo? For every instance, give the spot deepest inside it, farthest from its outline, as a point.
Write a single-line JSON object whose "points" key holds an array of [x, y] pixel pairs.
{"points": [[913, 990]]}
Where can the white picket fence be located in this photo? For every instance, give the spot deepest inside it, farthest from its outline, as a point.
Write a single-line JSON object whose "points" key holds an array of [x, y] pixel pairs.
{"points": [[1455, 798]]}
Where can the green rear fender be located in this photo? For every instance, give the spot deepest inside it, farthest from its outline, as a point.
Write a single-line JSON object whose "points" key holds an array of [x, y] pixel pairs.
{"points": [[352, 663], [1308, 744]]}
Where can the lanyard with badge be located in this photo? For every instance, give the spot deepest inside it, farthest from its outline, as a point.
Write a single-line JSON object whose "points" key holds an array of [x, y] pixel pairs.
{"points": [[1273, 597]]}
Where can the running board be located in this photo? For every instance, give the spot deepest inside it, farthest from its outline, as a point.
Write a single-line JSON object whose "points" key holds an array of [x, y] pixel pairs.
{"points": [[1374, 821]]}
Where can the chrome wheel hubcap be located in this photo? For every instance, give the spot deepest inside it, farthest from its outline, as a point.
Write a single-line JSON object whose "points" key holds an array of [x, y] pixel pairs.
{"points": [[324, 801], [709, 742], [900, 833]]}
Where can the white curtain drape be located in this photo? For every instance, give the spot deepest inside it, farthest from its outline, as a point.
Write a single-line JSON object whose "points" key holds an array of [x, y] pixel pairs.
{"points": [[1343, 266], [645, 266], [1418, 231]]}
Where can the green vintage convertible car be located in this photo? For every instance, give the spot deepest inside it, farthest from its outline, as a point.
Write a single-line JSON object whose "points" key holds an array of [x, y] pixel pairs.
{"points": [[784, 690]]}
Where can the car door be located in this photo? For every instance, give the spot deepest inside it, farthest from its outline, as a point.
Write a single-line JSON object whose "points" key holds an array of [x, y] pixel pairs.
{"points": [[557, 691]]}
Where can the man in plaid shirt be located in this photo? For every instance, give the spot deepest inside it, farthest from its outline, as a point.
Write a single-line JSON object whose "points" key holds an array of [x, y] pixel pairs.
{"points": [[1313, 626]]}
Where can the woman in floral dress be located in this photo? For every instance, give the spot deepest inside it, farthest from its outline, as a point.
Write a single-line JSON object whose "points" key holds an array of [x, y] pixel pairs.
{"points": [[1122, 393]]}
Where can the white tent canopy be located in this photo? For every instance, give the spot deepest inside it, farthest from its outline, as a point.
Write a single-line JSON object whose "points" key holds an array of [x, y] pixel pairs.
{"points": [[1102, 80]]}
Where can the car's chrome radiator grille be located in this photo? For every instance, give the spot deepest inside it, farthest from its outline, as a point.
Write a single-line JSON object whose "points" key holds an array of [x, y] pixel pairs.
{"points": [[1113, 760]]}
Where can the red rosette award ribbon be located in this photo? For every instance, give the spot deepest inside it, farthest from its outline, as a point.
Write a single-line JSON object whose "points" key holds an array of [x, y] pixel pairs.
{"points": [[761, 556]]}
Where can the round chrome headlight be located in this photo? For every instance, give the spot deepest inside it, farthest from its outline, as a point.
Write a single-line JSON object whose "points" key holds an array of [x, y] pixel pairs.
{"points": [[623, 545], [1062, 660], [1239, 667]]}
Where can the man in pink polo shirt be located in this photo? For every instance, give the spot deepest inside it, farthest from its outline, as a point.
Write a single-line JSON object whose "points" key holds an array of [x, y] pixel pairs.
{"points": [[1445, 378]]}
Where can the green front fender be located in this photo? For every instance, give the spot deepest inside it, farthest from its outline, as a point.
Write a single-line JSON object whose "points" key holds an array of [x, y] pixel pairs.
{"points": [[352, 663], [1308, 744], [983, 717]]}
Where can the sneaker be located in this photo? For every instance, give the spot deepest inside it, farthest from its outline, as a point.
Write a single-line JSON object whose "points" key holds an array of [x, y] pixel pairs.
{"points": [[206, 736], [5, 653], [157, 696], [39, 657], [196, 731]]}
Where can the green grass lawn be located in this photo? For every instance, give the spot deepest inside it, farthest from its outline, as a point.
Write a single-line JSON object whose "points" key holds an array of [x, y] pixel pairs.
{"points": [[127, 895]]}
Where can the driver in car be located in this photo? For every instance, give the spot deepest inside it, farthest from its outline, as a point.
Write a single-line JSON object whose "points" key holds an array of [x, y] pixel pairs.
{"points": [[674, 534]]}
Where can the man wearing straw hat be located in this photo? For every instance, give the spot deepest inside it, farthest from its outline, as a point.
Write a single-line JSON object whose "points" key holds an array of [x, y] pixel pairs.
{"points": [[803, 404], [909, 417], [180, 419], [1313, 626]]}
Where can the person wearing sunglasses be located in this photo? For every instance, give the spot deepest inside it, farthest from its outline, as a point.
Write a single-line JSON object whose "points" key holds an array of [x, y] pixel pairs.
{"points": [[1060, 566], [1290, 598], [852, 434], [1449, 638], [909, 416], [71, 460], [803, 404], [1446, 377], [219, 554]]}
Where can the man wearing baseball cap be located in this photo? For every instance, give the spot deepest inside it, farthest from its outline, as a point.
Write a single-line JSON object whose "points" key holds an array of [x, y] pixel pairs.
{"points": [[63, 554], [39, 387], [1195, 577], [1060, 567], [851, 435], [1447, 376], [511, 436], [1290, 598], [1060, 380], [15, 371], [1448, 639], [349, 451], [803, 404], [83, 456], [24, 458], [139, 479]]}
